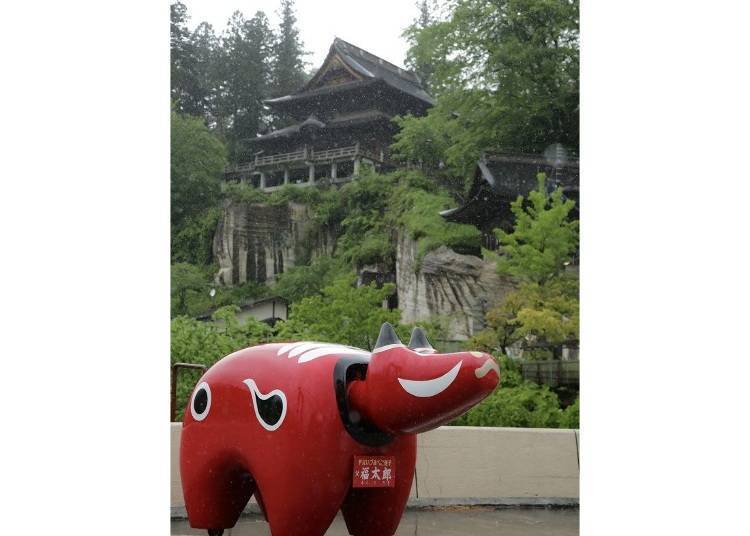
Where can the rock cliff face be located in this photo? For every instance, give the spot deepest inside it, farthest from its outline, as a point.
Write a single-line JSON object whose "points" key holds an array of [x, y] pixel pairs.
{"points": [[257, 242], [459, 287]]}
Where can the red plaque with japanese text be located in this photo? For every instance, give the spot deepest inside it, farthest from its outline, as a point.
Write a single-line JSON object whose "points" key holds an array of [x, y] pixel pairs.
{"points": [[374, 472]]}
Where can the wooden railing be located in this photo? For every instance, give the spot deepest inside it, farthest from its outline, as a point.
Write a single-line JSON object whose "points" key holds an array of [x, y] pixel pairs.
{"points": [[281, 158], [247, 166], [337, 152], [305, 154]]}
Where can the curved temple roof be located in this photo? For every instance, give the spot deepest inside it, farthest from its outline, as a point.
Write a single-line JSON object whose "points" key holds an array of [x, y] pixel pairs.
{"points": [[368, 67]]}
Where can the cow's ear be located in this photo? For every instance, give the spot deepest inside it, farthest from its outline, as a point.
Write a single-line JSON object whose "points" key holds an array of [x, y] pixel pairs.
{"points": [[418, 340], [387, 337]]}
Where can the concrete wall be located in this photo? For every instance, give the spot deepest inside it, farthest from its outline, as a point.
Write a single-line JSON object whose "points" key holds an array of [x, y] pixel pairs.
{"points": [[474, 465]]}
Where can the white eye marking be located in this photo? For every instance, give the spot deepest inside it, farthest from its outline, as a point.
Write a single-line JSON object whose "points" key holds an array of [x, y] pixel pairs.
{"points": [[488, 365], [425, 388], [200, 402], [271, 413]]}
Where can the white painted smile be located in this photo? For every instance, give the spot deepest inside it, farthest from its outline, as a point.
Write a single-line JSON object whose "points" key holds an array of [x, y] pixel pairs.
{"points": [[426, 388], [489, 365]]}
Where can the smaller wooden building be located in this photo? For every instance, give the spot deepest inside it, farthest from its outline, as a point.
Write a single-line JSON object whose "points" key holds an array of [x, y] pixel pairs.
{"points": [[498, 181]]}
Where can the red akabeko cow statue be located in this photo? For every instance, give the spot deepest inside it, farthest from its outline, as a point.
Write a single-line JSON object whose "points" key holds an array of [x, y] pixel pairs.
{"points": [[312, 428]]}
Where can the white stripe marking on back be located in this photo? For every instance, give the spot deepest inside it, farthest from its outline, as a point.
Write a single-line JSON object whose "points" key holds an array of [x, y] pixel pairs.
{"points": [[305, 347], [330, 350], [288, 347]]}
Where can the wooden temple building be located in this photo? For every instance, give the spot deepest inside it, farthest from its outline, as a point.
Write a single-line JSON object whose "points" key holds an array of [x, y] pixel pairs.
{"points": [[342, 121]]}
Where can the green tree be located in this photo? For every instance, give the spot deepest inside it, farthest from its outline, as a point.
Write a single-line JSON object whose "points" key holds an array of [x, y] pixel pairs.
{"points": [[542, 313], [205, 46], [245, 74], [506, 76], [543, 240], [197, 160], [342, 313], [288, 66], [415, 59], [192, 241], [185, 278], [299, 282], [542, 317], [184, 81]]}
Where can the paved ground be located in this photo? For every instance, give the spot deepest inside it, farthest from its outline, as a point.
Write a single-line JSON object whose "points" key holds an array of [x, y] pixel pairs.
{"points": [[453, 522]]}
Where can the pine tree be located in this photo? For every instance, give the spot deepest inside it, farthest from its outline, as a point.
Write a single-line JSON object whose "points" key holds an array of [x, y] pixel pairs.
{"points": [[246, 75], [288, 71], [184, 82], [205, 47]]}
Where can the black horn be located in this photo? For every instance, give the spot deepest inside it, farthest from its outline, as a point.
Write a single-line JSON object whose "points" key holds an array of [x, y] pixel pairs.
{"points": [[419, 339], [387, 336]]}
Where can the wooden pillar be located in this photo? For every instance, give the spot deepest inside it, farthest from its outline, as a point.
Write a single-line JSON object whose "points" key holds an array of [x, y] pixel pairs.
{"points": [[311, 174], [333, 171], [262, 180], [286, 176], [356, 167]]}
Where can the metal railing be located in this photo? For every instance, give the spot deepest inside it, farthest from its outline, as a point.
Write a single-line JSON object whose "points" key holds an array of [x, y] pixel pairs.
{"points": [[552, 372]]}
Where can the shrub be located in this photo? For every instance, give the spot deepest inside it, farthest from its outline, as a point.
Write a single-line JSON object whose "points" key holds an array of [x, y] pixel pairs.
{"points": [[241, 192], [193, 241], [193, 341], [342, 313], [302, 281], [570, 416], [419, 212], [525, 406]]}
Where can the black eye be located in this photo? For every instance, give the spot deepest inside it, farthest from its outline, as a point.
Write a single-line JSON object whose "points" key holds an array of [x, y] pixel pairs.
{"points": [[201, 403], [270, 410]]}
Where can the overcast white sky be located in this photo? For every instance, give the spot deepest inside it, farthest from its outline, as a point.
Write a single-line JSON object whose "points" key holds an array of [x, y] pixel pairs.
{"points": [[374, 25]]}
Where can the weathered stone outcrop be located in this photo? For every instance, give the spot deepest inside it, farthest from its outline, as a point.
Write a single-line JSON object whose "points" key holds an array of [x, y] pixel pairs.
{"points": [[460, 288], [257, 242]]}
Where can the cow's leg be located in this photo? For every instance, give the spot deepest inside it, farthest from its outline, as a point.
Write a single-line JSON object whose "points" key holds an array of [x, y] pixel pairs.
{"points": [[302, 506], [215, 493], [378, 511]]}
